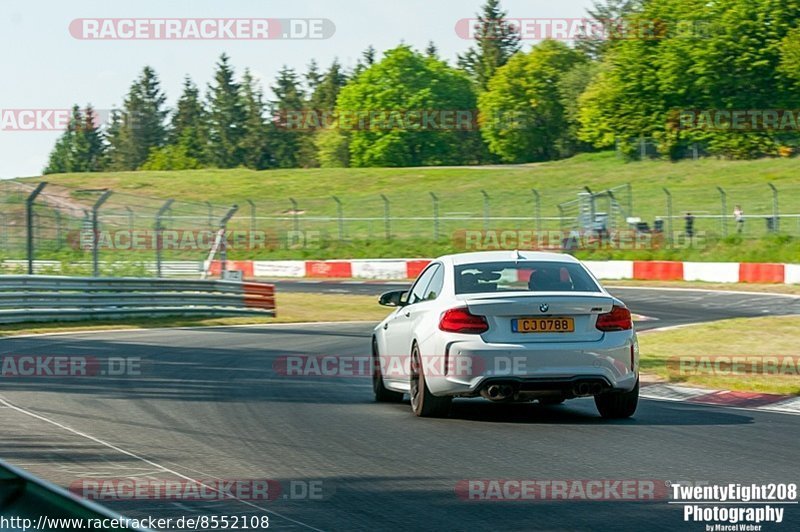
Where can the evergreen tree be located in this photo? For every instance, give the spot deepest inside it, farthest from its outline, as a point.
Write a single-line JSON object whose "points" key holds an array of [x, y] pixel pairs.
{"points": [[188, 126], [80, 148], [255, 141], [431, 50], [287, 143], [610, 15], [496, 43], [226, 117], [141, 126]]}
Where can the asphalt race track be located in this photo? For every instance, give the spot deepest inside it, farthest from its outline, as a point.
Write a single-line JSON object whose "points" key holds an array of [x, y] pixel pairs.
{"points": [[208, 405]]}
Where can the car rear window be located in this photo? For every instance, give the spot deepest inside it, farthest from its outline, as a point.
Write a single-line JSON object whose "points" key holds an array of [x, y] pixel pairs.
{"points": [[524, 275]]}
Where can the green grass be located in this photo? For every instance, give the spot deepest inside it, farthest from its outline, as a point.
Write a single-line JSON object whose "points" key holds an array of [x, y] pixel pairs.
{"points": [[460, 203], [741, 337]]}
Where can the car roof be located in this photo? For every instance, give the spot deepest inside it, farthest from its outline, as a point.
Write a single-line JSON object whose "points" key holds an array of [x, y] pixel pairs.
{"points": [[506, 256]]}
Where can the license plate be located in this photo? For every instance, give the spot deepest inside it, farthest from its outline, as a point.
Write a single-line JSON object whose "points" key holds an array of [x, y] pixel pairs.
{"points": [[543, 325]]}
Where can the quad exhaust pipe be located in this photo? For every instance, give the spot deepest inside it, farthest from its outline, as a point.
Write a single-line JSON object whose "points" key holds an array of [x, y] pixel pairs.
{"points": [[498, 392]]}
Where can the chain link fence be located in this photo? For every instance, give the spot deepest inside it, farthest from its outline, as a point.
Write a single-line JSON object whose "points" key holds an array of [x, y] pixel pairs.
{"points": [[55, 229]]}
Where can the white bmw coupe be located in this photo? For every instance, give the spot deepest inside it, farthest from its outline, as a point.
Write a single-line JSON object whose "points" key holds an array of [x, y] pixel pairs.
{"points": [[507, 326]]}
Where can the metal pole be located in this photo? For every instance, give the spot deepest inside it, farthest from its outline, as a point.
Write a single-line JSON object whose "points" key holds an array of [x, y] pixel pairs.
{"points": [[130, 219], [295, 214], [485, 210], [252, 217], [669, 215], [435, 215], [210, 213], [724, 204], [775, 209], [537, 205], [95, 229], [164, 208], [29, 222], [339, 216], [630, 198], [561, 217], [223, 243], [59, 241], [387, 228]]}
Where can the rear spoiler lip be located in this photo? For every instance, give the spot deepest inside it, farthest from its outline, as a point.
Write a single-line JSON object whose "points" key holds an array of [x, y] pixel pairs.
{"points": [[489, 296]]}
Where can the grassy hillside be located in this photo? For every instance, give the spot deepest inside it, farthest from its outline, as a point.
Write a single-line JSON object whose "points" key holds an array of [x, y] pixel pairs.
{"points": [[693, 185]]}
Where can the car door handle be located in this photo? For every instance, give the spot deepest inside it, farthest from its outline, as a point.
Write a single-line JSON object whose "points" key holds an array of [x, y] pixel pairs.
{"points": [[385, 326], [408, 314]]}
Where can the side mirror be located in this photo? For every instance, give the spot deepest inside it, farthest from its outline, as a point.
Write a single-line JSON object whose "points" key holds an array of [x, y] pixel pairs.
{"points": [[395, 298]]}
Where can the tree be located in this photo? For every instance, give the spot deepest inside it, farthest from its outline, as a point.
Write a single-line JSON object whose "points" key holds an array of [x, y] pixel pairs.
{"points": [[323, 99], [522, 112], [739, 63], [255, 141], [80, 148], [286, 143], [406, 110], [367, 60], [188, 127], [431, 50], [141, 126], [226, 117], [610, 16], [496, 43]]}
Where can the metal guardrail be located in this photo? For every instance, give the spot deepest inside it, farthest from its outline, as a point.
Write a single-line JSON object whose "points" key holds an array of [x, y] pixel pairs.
{"points": [[25, 298], [25, 501]]}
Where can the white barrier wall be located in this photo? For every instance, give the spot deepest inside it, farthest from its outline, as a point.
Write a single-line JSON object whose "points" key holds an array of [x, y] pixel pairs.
{"points": [[279, 268], [379, 269], [612, 269], [714, 272]]}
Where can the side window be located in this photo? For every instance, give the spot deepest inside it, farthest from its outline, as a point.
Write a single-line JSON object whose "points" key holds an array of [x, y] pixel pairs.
{"points": [[419, 291], [436, 284]]}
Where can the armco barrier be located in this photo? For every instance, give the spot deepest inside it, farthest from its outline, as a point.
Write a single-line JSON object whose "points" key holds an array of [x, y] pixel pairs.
{"points": [[25, 298], [29, 499]]}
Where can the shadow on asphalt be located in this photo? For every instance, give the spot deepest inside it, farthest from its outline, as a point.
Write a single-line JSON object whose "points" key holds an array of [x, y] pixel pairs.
{"points": [[566, 414]]}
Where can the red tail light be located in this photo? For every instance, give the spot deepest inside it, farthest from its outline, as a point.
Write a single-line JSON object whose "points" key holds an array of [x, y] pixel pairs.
{"points": [[619, 319], [459, 320]]}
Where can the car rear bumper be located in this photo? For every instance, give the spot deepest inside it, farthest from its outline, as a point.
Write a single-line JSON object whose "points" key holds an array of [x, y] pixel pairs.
{"points": [[538, 368]]}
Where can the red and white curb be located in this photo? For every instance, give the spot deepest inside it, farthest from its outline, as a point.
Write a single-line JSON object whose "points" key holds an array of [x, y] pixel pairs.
{"points": [[399, 269], [785, 404]]}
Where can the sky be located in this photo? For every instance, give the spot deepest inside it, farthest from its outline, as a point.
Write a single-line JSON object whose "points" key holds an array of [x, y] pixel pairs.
{"points": [[44, 66]]}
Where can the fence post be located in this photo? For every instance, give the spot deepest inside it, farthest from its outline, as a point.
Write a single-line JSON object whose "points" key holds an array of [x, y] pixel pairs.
{"points": [[642, 148], [339, 217], [561, 217], [95, 228], [59, 240], [210, 213], [435, 215], [387, 228], [295, 219], [252, 217], [724, 204], [537, 206], [775, 210], [223, 241], [669, 215], [158, 228], [29, 222], [630, 198], [486, 207]]}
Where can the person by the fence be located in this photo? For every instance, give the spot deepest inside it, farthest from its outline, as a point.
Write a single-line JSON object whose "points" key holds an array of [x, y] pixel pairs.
{"points": [[738, 215]]}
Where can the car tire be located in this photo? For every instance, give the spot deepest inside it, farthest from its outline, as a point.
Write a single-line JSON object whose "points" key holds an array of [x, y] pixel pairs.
{"points": [[423, 402], [382, 394], [618, 405]]}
